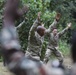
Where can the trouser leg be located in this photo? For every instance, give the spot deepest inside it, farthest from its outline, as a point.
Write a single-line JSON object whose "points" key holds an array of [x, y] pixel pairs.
{"points": [[47, 55], [32, 55], [58, 54]]}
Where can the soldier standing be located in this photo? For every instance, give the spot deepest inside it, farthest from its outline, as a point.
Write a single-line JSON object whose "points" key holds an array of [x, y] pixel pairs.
{"points": [[53, 44], [36, 37]]}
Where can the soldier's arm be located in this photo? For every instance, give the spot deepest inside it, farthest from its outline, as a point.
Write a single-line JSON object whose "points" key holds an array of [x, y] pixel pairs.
{"points": [[57, 18], [22, 11], [20, 25], [64, 30], [51, 27], [35, 24]]}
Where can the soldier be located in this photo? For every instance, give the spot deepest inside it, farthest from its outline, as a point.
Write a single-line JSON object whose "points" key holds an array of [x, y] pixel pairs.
{"points": [[53, 44], [36, 37], [19, 26]]}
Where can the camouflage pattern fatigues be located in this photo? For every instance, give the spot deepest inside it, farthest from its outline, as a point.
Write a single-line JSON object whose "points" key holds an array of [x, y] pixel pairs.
{"points": [[35, 41], [53, 46]]}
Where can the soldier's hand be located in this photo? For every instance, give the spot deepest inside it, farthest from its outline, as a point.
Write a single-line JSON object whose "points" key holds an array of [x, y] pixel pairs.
{"points": [[25, 9], [69, 25], [58, 15], [39, 14]]}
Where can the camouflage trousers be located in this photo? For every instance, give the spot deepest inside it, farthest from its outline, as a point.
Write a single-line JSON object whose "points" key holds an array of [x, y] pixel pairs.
{"points": [[55, 51], [32, 55]]}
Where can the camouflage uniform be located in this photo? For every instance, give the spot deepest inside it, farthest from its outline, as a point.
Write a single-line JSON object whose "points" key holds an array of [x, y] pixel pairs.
{"points": [[53, 46], [35, 41]]}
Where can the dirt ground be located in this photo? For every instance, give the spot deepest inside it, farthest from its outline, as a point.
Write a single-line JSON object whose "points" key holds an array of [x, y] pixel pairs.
{"points": [[4, 70]]}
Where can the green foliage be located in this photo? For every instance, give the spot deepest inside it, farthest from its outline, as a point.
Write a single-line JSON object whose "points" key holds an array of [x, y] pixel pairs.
{"points": [[48, 8], [1, 11], [64, 48], [1, 59], [66, 7]]}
